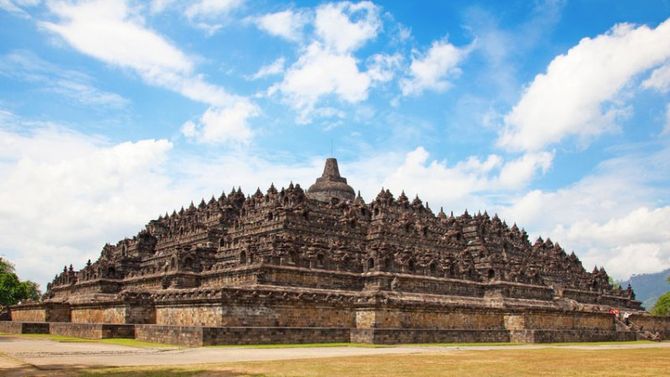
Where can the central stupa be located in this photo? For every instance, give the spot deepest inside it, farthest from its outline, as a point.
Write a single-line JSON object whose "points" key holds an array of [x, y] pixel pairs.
{"points": [[331, 187]]}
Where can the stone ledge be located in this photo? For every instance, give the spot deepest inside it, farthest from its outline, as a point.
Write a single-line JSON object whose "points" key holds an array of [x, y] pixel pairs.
{"points": [[579, 335], [399, 335], [92, 330], [195, 336], [10, 327]]}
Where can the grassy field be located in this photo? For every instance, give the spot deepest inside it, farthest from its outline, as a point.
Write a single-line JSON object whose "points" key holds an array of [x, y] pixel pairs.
{"points": [[522, 362]]}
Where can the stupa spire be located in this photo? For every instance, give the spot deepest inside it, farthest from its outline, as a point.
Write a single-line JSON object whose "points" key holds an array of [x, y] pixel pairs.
{"points": [[331, 185]]}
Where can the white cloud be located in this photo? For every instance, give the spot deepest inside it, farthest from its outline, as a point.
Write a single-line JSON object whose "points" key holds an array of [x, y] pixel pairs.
{"points": [[158, 6], [518, 173], [66, 194], [223, 125], [659, 79], [344, 27], [319, 72], [17, 6], [579, 93], [71, 84], [111, 32], [432, 70], [636, 242], [383, 67], [609, 217], [287, 24], [466, 183], [211, 8], [274, 68], [440, 183], [327, 67], [207, 14]]}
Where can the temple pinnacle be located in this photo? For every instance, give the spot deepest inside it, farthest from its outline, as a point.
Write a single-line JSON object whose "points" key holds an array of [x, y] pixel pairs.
{"points": [[331, 186]]}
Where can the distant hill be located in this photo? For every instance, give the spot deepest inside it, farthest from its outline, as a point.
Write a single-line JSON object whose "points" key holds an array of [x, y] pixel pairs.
{"points": [[648, 287]]}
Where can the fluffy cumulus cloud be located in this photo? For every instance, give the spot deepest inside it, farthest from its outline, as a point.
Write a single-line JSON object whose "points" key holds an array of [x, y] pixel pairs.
{"points": [[608, 216], [287, 24], [344, 27], [65, 194], [431, 70], [659, 79], [223, 125], [327, 66], [637, 241], [578, 94], [519, 172], [467, 183], [319, 72]]}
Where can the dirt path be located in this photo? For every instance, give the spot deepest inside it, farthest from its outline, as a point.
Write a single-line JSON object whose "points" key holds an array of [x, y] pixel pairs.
{"points": [[47, 356]]}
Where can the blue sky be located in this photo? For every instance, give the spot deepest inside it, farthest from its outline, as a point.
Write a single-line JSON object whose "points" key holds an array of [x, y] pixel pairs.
{"points": [[554, 114]]}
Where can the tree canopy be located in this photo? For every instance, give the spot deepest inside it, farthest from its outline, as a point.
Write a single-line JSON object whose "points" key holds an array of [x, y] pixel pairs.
{"points": [[12, 289], [662, 306]]}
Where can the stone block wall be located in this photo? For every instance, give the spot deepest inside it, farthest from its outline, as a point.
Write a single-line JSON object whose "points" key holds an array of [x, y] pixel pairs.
{"points": [[200, 315], [526, 291], [58, 313], [397, 336], [114, 314], [243, 277], [92, 330], [29, 315], [429, 319], [569, 320], [652, 323], [195, 336], [298, 315], [274, 335], [568, 335], [309, 278], [432, 285], [11, 327], [140, 313], [190, 336]]}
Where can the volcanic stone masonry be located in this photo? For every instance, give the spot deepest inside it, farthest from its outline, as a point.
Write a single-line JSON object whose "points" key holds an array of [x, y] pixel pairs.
{"points": [[324, 266]]}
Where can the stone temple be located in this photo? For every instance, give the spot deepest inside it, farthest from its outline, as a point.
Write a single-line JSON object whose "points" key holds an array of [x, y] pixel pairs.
{"points": [[322, 265]]}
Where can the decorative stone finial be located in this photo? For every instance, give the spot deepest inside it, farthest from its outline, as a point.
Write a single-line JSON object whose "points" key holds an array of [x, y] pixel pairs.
{"points": [[331, 185]]}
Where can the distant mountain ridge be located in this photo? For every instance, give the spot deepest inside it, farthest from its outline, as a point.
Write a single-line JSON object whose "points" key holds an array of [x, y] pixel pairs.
{"points": [[649, 287]]}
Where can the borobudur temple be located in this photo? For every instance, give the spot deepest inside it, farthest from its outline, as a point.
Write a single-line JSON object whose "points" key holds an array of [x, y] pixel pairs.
{"points": [[322, 265]]}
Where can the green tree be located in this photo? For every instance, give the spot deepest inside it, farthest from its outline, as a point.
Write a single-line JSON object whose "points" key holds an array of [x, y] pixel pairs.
{"points": [[662, 306], [12, 289]]}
